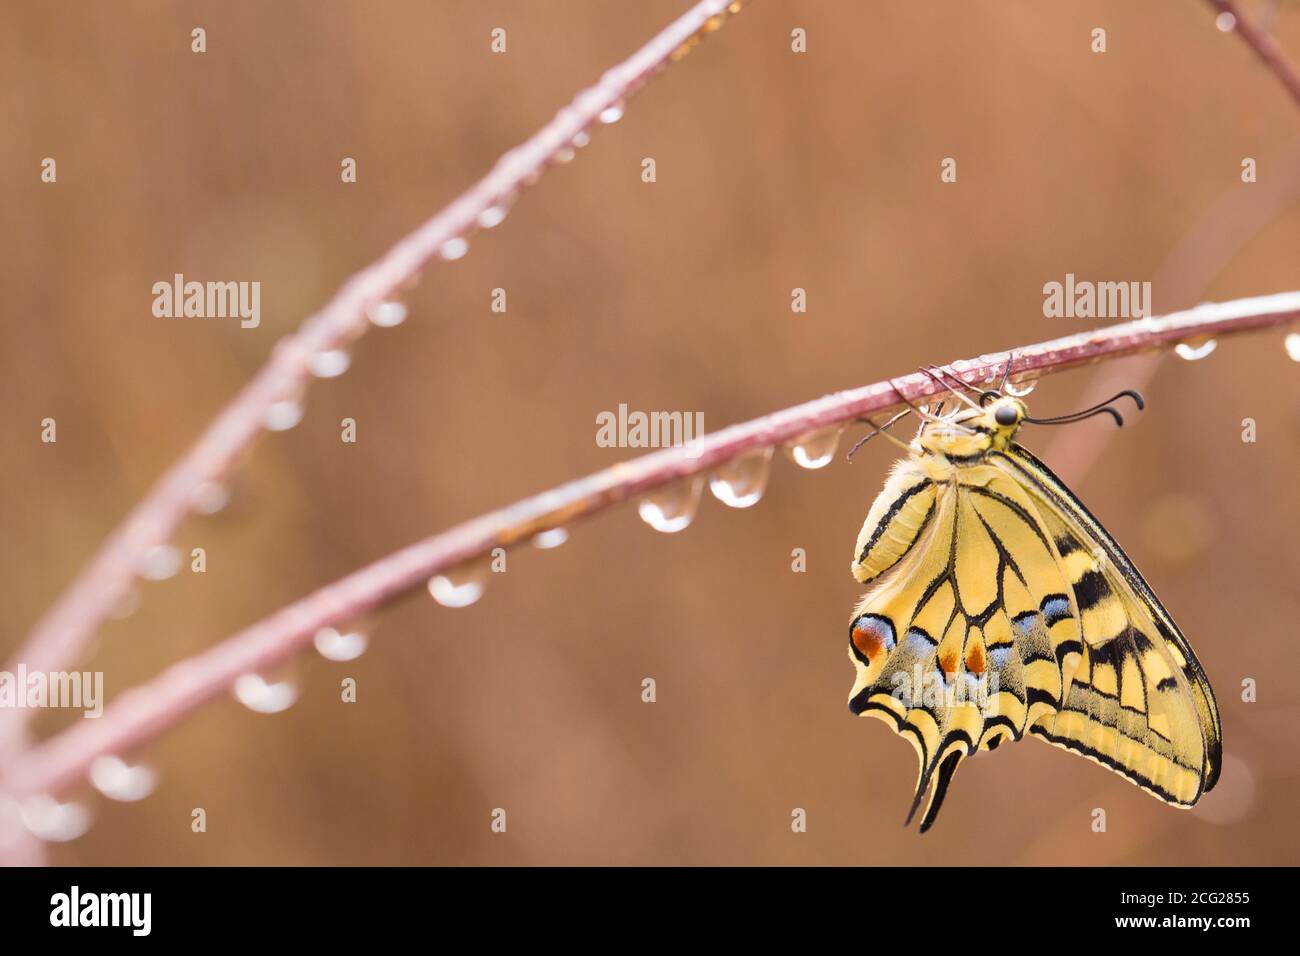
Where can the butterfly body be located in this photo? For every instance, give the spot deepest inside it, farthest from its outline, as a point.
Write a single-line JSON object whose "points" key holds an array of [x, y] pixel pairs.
{"points": [[997, 606]]}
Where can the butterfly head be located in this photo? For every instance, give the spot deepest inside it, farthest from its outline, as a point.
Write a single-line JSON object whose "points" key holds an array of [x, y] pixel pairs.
{"points": [[970, 432]]}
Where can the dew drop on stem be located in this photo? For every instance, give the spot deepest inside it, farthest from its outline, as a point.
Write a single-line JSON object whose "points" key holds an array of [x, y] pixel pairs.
{"points": [[740, 483], [815, 449], [1195, 350], [116, 779], [54, 822], [460, 586], [672, 508], [263, 696], [550, 538], [333, 646]]}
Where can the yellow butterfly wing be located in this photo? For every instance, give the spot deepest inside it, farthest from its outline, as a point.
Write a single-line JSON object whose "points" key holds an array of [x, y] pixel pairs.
{"points": [[968, 634], [997, 605], [1140, 702]]}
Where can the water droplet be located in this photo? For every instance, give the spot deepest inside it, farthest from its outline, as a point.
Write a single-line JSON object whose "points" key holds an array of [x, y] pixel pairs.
{"points": [[551, 538], [459, 587], [492, 216], [329, 364], [334, 646], [283, 415], [55, 822], [387, 314], [1020, 391], [1194, 351], [740, 482], [564, 155], [1292, 345], [258, 694], [118, 780], [611, 114], [672, 508], [160, 562], [580, 139], [210, 497], [454, 249], [816, 449], [714, 23], [1225, 22]]}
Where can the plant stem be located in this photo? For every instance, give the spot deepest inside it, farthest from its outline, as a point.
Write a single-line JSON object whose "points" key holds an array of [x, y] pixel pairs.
{"points": [[59, 637], [1265, 47], [140, 714]]}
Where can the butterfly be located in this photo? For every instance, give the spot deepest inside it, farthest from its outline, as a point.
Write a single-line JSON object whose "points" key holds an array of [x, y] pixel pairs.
{"points": [[997, 605]]}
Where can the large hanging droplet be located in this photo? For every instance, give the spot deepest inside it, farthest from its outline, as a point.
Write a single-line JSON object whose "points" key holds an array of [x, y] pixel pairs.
{"points": [[283, 415], [1194, 351], [460, 586], [672, 508], [329, 364], [740, 483], [118, 780], [54, 822], [334, 646], [160, 562], [260, 695], [1020, 391], [816, 449], [387, 314], [210, 497], [1292, 345], [492, 217], [550, 538], [454, 249]]}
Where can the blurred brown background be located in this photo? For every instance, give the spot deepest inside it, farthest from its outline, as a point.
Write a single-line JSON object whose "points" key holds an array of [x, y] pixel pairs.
{"points": [[775, 170]]}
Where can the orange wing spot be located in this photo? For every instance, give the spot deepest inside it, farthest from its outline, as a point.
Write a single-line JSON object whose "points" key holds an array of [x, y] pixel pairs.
{"points": [[975, 660], [948, 662], [868, 639]]}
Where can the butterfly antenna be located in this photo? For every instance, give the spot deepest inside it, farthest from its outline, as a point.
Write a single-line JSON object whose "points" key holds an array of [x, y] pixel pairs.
{"points": [[879, 430], [937, 374], [925, 415], [1101, 408], [1006, 372]]}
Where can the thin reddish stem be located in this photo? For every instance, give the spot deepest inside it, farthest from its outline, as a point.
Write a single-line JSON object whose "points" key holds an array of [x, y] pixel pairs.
{"points": [[144, 712], [1266, 48], [60, 635]]}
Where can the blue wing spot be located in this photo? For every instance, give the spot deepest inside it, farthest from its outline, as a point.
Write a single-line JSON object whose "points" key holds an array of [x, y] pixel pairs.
{"points": [[920, 642], [1000, 655], [1056, 607]]}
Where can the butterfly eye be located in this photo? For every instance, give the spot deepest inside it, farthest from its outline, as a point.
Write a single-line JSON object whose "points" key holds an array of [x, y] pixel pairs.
{"points": [[1006, 415]]}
